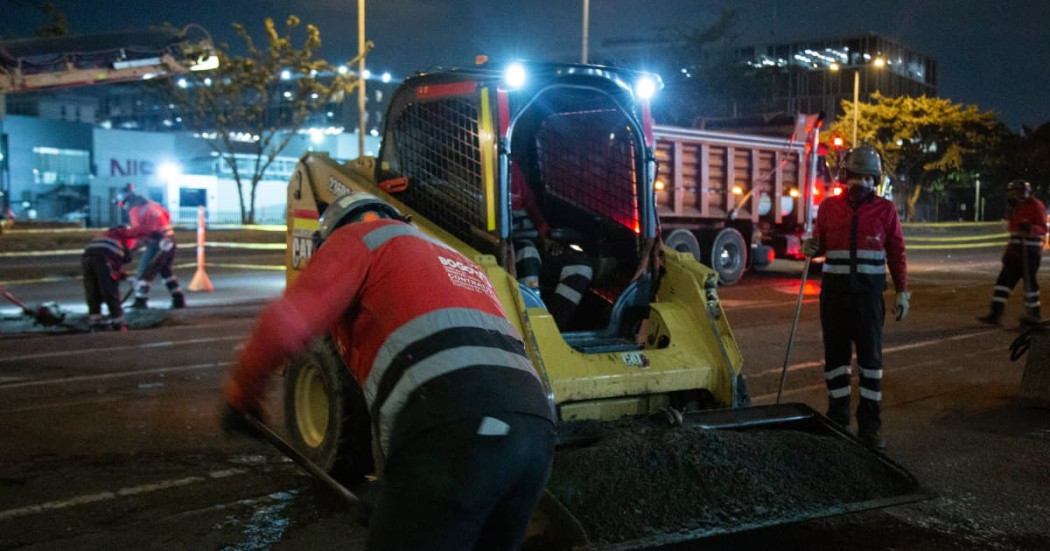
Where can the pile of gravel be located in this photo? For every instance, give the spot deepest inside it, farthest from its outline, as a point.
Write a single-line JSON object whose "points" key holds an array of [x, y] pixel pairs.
{"points": [[644, 481]]}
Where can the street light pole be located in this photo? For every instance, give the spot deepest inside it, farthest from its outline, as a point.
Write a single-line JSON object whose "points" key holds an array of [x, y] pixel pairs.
{"points": [[586, 24], [361, 113], [856, 105]]}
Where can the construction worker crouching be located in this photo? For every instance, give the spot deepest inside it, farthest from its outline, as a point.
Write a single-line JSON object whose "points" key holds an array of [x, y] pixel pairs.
{"points": [[1024, 251], [463, 432], [152, 223], [859, 235], [102, 261]]}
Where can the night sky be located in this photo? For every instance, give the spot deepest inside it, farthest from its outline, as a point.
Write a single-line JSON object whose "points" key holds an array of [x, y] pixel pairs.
{"points": [[992, 54]]}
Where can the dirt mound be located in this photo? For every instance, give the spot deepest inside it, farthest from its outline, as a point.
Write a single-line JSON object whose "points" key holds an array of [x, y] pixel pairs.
{"points": [[643, 480]]}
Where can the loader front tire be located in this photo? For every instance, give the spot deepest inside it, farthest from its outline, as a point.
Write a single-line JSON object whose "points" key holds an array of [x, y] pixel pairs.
{"points": [[325, 413]]}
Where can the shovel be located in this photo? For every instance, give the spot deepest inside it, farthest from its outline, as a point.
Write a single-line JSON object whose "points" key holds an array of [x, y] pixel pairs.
{"points": [[42, 315], [794, 325], [263, 430]]}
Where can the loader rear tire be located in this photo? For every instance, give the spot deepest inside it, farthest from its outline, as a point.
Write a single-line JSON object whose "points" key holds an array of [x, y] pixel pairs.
{"points": [[325, 413]]}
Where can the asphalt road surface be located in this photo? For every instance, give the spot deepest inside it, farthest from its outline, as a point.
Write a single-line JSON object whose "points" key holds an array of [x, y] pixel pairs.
{"points": [[110, 440]]}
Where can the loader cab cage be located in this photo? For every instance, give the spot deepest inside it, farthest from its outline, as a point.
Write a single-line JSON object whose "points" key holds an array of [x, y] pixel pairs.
{"points": [[577, 137]]}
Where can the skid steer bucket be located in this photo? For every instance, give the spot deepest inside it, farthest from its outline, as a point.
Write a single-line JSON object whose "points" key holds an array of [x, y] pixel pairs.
{"points": [[641, 483]]}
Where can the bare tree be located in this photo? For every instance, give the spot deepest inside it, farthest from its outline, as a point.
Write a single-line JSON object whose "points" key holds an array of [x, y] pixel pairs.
{"points": [[246, 106]]}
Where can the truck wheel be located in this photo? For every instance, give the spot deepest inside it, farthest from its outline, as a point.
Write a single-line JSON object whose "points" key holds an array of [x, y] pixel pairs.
{"points": [[683, 241], [727, 255], [326, 415]]}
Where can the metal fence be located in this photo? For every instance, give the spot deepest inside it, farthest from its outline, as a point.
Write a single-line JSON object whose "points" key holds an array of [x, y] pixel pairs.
{"points": [[187, 216]]}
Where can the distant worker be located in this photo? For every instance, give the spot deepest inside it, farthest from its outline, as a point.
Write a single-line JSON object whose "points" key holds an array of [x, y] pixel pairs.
{"points": [[1027, 227], [859, 235], [463, 431], [103, 261], [529, 224], [152, 223]]}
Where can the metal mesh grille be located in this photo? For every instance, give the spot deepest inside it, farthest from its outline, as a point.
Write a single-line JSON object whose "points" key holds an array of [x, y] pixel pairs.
{"points": [[587, 158], [438, 147]]}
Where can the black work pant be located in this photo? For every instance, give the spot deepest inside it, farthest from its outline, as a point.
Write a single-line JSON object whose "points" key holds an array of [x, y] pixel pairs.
{"points": [[100, 286], [453, 489], [853, 320], [1012, 272]]}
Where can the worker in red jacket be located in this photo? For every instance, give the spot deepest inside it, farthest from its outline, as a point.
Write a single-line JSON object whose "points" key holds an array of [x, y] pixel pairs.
{"points": [[463, 430], [151, 223], [860, 235], [1027, 227], [103, 261]]}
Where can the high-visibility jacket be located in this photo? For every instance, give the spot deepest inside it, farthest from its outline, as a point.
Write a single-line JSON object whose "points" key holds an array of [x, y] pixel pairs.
{"points": [[115, 246], [859, 243], [417, 323], [1030, 212], [151, 220]]}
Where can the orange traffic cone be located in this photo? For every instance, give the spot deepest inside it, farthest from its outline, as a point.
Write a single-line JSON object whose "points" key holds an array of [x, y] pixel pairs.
{"points": [[200, 281]]}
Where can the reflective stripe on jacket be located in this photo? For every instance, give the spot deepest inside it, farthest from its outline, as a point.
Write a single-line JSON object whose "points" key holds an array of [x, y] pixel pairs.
{"points": [[148, 219], [859, 243], [1032, 212], [404, 311]]}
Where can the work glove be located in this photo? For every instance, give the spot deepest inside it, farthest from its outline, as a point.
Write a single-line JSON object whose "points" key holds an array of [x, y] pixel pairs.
{"points": [[901, 305], [810, 246], [235, 422], [166, 244]]}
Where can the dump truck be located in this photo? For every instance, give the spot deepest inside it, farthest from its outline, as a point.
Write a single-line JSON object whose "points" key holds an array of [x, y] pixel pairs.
{"points": [[645, 380], [737, 201]]}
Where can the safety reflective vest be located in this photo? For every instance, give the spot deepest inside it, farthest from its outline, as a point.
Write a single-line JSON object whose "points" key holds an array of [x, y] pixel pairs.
{"points": [[150, 220], [859, 243], [1030, 212], [412, 318]]}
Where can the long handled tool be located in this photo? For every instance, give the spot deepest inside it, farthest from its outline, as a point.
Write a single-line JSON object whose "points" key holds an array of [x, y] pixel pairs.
{"points": [[295, 455], [42, 314], [147, 274], [794, 325], [1026, 276]]}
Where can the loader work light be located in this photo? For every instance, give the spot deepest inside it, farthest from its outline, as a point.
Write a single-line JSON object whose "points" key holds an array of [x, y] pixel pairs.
{"points": [[514, 75], [645, 87]]}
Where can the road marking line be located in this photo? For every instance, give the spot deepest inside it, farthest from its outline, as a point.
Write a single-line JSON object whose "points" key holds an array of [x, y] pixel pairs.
{"points": [[123, 492], [772, 396], [115, 348], [910, 346], [43, 382]]}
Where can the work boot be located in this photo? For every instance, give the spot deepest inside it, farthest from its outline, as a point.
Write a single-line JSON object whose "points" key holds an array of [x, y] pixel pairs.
{"points": [[140, 303], [1029, 321], [178, 300], [990, 319], [96, 322], [872, 438]]}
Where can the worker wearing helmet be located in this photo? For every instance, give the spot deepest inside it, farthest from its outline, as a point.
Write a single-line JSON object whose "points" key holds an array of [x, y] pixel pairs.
{"points": [[463, 432], [1027, 227], [151, 223], [859, 235]]}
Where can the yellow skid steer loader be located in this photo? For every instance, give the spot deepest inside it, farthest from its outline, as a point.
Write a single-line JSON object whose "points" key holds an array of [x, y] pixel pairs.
{"points": [[657, 442]]}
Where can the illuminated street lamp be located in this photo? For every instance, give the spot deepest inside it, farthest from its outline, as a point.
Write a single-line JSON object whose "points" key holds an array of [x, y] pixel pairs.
{"points": [[878, 63]]}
